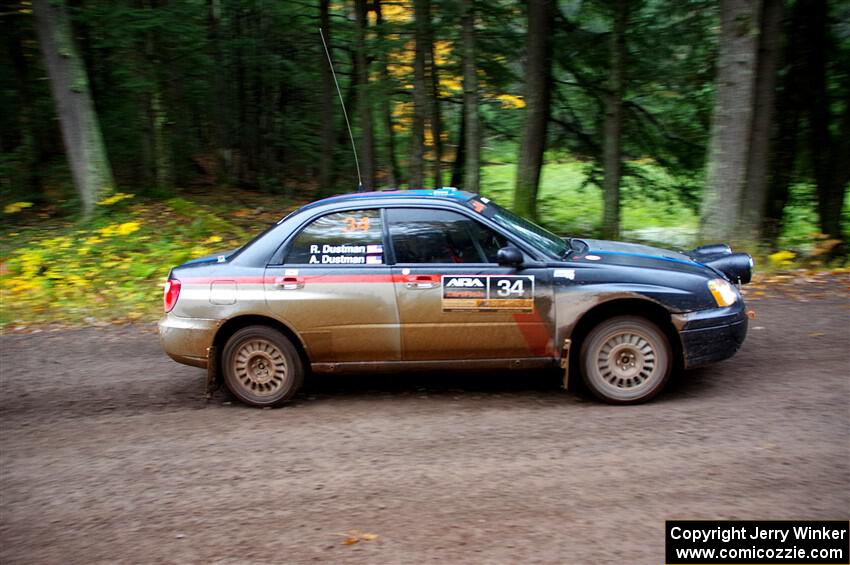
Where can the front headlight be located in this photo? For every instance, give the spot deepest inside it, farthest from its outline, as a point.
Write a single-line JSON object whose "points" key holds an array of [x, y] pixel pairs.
{"points": [[723, 292]]}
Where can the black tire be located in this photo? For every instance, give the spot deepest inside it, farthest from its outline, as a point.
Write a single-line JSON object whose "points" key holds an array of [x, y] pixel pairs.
{"points": [[261, 366], [626, 360]]}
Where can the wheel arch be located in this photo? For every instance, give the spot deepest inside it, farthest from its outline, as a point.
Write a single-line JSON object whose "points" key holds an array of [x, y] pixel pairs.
{"points": [[235, 324], [642, 307]]}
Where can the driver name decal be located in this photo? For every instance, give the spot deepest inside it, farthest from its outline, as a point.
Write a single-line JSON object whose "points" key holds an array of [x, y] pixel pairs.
{"points": [[488, 293], [346, 254]]}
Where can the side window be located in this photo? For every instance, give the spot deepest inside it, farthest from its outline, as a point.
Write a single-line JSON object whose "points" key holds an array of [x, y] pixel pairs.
{"points": [[489, 241], [342, 238], [438, 236]]}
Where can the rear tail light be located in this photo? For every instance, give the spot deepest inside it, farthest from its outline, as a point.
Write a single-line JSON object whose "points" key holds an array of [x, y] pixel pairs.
{"points": [[170, 294]]}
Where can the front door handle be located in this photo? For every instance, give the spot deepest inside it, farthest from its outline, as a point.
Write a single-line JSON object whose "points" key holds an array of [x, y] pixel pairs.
{"points": [[289, 283], [416, 282]]}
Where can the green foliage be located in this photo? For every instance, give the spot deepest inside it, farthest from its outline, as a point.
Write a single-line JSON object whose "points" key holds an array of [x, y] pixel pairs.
{"points": [[671, 49], [801, 230], [570, 204]]}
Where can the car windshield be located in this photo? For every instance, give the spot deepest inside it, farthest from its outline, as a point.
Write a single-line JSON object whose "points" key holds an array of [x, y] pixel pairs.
{"points": [[539, 237]]}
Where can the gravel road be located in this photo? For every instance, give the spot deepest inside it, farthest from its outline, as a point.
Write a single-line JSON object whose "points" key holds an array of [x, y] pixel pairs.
{"points": [[110, 453]]}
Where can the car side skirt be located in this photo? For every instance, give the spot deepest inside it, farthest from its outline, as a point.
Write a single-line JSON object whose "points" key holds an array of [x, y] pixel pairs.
{"points": [[452, 364]]}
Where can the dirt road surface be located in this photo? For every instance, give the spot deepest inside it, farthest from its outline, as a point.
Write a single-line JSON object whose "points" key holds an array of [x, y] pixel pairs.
{"points": [[110, 453]]}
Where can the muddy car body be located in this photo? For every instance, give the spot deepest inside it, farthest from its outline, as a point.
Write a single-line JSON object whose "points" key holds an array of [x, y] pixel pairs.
{"points": [[430, 279]]}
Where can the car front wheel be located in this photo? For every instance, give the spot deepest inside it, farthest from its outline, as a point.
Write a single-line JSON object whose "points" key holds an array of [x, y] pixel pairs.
{"points": [[626, 360], [261, 366]]}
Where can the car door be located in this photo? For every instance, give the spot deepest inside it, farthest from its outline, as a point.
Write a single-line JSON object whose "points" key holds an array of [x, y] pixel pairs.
{"points": [[455, 301], [335, 289]]}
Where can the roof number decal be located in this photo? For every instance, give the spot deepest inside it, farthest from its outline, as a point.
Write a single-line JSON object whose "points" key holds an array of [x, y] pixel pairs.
{"points": [[354, 224]]}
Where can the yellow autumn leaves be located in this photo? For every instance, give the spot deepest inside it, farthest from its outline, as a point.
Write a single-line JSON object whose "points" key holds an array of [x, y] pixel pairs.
{"points": [[114, 199], [782, 259], [119, 229], [63, 277], [40, 270], [16, 207], [110, 269]]}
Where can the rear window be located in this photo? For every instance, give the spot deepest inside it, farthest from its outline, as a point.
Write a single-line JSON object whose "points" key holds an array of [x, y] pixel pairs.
{"points": [[342, 238]]}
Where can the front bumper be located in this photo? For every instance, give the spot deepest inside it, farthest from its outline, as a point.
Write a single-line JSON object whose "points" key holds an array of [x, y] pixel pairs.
{"points": [[713, 335], [187, 340]]}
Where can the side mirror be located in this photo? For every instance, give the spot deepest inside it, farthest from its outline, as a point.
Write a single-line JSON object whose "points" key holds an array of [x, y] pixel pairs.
{"points": [[509, 257]]}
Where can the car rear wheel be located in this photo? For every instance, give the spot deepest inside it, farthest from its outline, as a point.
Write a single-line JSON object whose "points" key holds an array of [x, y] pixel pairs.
{"points": [[261, 366], [626, 360]]}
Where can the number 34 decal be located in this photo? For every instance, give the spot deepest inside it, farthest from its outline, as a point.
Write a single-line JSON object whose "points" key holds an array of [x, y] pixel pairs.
{"points": [[507, 288]]}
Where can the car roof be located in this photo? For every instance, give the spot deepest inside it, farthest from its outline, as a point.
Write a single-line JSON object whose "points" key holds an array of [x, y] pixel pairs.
{"points": [[447, 193]]}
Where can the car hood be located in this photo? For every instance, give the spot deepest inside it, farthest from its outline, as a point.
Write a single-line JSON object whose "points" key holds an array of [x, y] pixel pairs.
{"points": [[611, 253], [605, 246]]}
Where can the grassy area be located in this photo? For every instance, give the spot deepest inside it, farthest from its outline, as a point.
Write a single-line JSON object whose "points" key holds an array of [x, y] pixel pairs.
{"points": [[112, 268], [567, 204]]}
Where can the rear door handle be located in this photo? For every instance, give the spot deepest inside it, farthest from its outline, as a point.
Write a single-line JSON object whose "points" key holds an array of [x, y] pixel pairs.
{"points": [[289, 283], [416, 282]]}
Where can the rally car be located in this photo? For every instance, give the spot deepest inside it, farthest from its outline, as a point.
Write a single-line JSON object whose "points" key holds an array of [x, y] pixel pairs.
{"points": [[432, 279]]}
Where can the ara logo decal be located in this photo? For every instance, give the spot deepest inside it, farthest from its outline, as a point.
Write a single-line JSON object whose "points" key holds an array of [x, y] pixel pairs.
{"points": [[465, 282]]}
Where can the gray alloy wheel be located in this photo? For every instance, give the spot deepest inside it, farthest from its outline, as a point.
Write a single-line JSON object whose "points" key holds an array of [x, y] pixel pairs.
{"points": [[261, 366], [626, 360]]}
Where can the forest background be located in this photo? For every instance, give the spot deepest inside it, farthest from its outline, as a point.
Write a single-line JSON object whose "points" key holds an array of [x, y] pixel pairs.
{"points": [[135, 135]]}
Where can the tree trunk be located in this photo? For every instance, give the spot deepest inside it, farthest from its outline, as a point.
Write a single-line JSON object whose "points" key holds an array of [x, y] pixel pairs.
{"points": [[262, 165], [732, 120], [422, 11], [841, 174], [783, 159], [351, 97], [538, 78], [826, 160], [220, 121], [784, 145], [242, 168], [393, 173], [364, 102], [70, 88], [157, 118], [161, 150], [434, 116], [754, 201], [613, 126], [471, 137], [459, 165], [26, 134], [327, 101]]}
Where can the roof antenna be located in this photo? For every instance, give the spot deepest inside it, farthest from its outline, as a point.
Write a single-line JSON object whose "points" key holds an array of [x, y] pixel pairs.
{"points": [[344, 113]]}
